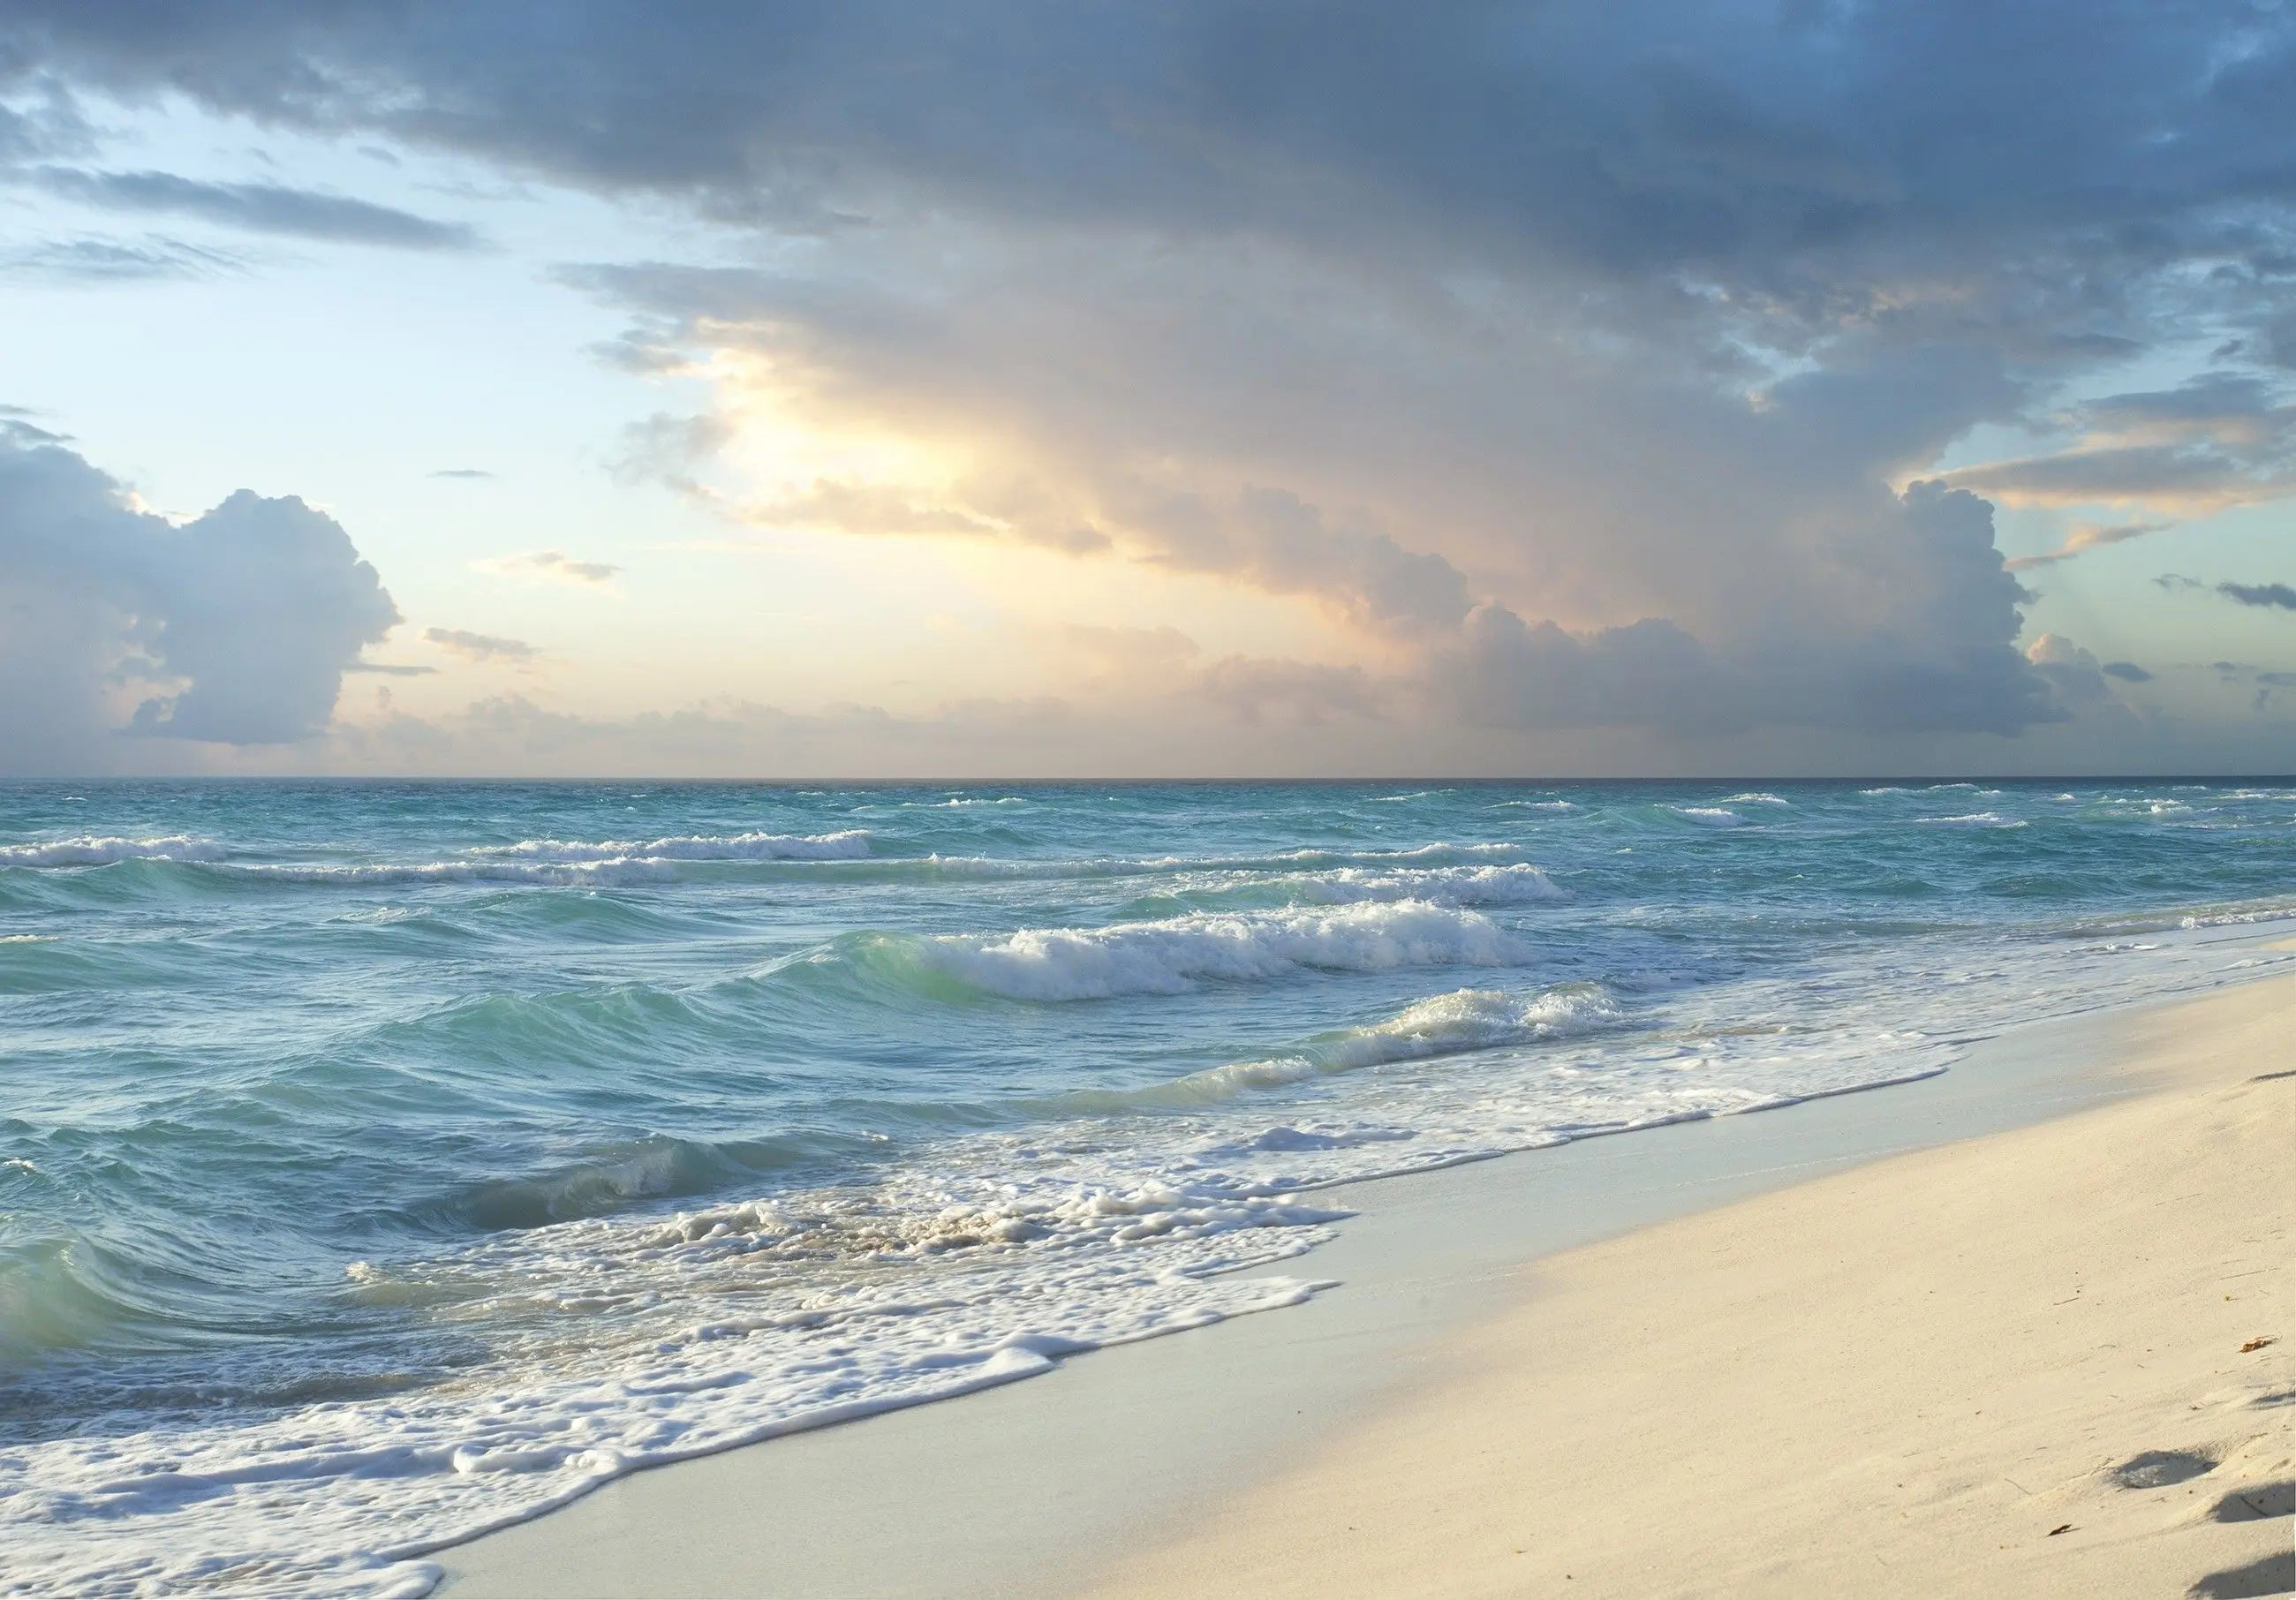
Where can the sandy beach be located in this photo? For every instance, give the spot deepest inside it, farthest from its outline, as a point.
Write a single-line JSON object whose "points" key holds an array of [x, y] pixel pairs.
{"points": [[2053, 1359]]}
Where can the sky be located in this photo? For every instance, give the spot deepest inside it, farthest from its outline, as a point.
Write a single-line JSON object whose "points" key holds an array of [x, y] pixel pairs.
{"points": [[1563, 388]]}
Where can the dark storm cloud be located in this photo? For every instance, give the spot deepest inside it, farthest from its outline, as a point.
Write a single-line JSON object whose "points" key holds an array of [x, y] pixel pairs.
{"points": [[2127, 672], [1705, 138], [257, 207], [2272, 596]]}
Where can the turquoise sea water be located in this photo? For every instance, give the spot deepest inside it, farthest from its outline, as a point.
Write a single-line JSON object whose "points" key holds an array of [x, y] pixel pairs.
{"points": [[381, 1162]]}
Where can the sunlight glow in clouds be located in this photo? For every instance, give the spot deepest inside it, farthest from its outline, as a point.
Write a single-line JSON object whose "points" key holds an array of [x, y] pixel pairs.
{"points": [[1505, 389]]}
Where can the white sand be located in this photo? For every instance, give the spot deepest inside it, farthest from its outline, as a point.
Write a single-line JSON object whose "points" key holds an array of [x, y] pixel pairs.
{"points": [[2009, 1366]]}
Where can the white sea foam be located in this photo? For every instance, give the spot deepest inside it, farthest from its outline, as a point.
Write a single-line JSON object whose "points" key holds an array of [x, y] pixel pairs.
{"points": [[1974, 819], [1173, 955], [1465, 1020], [2231, 919], [850, 845], [1515, 884], [1707, 816], [1756, 798], [1059, 867], [2144, 805], [1558, 805], [619, 1342], [631, 869], [751, 1330], [1473, 1019], [622, 1342], [89, 850]]}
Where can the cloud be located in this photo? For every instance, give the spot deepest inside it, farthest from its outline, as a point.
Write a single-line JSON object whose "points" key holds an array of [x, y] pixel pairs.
{"points": [[548, 566], [2127, 672], [1762, 524], [478, 647], [1129, 658], [473, 473], [256, 207], [2220, 440], [2276, 596], [1304, 692], [97, 261], [1694, 141], [513, 735], [234, 629], [1570, 358], [2086, 536], [2073, 674]]}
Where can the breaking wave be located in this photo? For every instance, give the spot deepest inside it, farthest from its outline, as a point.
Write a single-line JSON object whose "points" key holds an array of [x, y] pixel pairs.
{"points": [[89, 850], [1176, 955]]}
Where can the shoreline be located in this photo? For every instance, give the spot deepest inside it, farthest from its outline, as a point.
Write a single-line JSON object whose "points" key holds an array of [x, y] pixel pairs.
{"points": [[1041, 1488], [2051, 1361]]}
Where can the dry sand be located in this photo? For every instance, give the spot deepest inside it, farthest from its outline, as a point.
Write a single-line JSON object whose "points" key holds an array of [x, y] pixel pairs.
{"points": [[2055, 1361]]}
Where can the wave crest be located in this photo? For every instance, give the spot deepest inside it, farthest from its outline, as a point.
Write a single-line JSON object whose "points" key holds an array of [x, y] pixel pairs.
{"points": [[1173, 955], [92, 851], [851, 844]]}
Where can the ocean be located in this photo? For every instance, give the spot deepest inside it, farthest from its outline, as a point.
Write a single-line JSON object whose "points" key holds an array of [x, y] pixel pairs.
{"points": [[384, 1162]]}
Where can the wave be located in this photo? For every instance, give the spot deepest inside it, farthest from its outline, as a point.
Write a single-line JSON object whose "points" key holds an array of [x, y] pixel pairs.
{"points": [[1974, 819], [1515, 884], [1466, 1020], [2229, 919], [618, 1177], [641, 869], [91, 850], [851, 844], [1121, 866], [962, 803], [1707, 816], [1174, 954], [1756, 798]]}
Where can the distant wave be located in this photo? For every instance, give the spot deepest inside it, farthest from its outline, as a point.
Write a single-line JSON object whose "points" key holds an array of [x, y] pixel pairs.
{"points": [[1515, 884], [1756, 798], [1173, 955], [1118, 866], [89, 850], [631, 869], [1974, 819], [963, 802], [850, 845]]}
